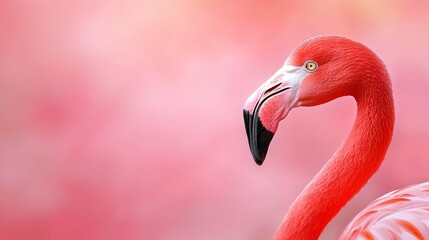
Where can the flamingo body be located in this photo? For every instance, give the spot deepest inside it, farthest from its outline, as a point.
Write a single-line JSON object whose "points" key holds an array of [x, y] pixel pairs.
{"points": [[317, 71], [401, 214]]}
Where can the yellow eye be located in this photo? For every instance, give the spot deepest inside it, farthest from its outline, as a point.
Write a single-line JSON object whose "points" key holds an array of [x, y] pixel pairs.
{"points": [[310, 66]]}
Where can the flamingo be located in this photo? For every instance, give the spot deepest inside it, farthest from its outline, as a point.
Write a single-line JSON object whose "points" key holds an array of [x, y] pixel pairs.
{"points": [[317, 71]]}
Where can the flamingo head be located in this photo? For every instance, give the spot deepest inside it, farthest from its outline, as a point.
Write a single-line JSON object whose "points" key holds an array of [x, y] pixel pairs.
{"points": [[317, 71]]}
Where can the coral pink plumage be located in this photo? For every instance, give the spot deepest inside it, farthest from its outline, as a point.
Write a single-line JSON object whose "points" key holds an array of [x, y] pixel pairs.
{"points": [[401, 214], [317, 71]]}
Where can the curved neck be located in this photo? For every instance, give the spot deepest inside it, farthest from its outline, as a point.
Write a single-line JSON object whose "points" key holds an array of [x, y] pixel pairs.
{"points": [[349, 169]]}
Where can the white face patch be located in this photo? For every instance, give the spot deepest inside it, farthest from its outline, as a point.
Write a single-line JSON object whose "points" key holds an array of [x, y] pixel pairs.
{"points": [[286, 77], [293, 74], [292, 77]]}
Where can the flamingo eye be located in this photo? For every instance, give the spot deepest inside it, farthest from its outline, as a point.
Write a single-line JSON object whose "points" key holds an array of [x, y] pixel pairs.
{"points": [[310, 66]]}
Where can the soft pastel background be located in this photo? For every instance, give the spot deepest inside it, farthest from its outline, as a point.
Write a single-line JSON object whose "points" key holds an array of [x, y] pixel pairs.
{"points": [[123, 119]]}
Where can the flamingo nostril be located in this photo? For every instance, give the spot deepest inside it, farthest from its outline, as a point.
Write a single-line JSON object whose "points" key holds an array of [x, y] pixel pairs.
{"points": [[269, 90]]}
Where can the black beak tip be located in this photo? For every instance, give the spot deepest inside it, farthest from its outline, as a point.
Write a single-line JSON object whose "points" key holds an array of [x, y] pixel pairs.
{"points": [[258, 161], [258, 136]]}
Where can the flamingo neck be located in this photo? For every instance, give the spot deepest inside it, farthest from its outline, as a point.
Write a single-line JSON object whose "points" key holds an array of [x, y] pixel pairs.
{"points": [[357, 159]]}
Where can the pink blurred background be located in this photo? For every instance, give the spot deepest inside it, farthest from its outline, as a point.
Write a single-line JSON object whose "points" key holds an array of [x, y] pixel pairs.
{"points": [[123, 119]]}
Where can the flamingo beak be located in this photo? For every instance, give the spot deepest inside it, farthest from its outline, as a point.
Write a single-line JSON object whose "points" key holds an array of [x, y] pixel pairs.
{"points": [[258, 136], [267, 106]]}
